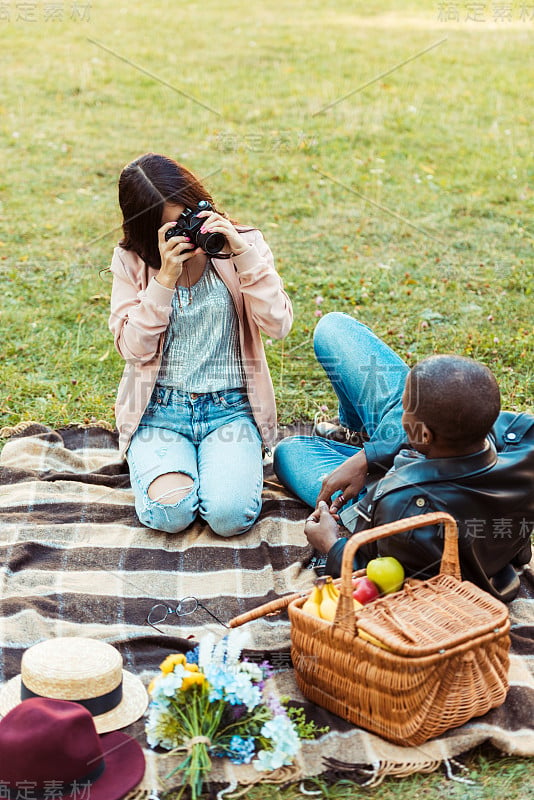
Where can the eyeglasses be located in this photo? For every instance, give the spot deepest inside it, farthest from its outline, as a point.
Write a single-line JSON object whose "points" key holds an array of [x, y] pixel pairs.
{"points": [[187, 605]]}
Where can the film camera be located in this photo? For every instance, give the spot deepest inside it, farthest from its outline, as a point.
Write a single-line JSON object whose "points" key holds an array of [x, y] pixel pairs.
{"points": [[189, 224]]}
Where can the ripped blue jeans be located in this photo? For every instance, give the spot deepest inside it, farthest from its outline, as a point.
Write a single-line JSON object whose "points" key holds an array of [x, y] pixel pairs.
{"points": [[214, 440]]}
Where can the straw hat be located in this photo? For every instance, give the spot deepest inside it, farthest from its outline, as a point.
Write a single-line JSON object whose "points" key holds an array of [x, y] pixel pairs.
{"points": [[52, 746], [86, 671]]}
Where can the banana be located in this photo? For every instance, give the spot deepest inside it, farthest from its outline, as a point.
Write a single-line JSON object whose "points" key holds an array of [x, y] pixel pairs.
{"points": [[313, 601], [372, 639], [331, 587], [323, 599], [328, 607], [330, 596]]}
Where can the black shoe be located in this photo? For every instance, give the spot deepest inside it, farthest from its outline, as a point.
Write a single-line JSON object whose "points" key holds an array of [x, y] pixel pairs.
{"points": [[524, 556], [338, 433]]}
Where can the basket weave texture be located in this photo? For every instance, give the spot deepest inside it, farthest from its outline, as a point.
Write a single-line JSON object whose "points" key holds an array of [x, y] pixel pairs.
{"points": [[445, 656]]}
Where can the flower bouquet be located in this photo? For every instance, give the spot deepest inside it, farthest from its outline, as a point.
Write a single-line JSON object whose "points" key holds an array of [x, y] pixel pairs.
{"points": [[214, 704]]}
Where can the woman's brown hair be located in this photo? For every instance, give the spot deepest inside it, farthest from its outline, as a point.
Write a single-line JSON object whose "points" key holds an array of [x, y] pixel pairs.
{"points": [[145, 186]]}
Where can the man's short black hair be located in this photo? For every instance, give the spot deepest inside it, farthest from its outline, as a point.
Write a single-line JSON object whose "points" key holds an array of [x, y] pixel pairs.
{"points": [[456, 397]]}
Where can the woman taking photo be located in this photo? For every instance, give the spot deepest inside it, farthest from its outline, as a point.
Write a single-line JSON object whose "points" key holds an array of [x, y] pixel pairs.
{"points": [[195, 404]]}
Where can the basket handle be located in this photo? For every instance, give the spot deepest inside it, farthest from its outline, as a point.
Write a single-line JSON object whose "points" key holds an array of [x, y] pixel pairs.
{"points": [[450, 563], [267, 608]]}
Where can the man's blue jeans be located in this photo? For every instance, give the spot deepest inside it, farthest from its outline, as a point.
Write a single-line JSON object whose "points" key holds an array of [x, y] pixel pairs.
{"points": [[368, 379]]}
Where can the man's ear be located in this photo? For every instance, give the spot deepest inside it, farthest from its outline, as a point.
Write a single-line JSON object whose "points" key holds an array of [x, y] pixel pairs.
{"points": [[427, 435]]}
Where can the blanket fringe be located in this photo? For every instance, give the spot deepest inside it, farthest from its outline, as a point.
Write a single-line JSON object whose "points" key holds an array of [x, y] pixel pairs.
{"points": [[238, 788], [99, 423], [449, 763], [372, 775], [309, 792], [8, 431], [366, 776]]}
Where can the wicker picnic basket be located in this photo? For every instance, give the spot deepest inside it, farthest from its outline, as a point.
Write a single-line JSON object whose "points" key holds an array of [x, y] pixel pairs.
{"points": [[443, 656]]}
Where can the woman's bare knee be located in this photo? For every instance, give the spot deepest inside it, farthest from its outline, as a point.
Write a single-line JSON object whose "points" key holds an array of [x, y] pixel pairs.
{"points": [[170, 488]]}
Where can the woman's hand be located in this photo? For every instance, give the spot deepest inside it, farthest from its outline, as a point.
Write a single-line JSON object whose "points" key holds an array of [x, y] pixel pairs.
{"points": [[174, 254], [321, 529], [348, 478], [216, 223]]}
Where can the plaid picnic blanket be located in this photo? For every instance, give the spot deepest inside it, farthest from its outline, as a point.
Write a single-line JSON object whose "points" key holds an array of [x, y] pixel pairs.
{"points": [[74, 560]]}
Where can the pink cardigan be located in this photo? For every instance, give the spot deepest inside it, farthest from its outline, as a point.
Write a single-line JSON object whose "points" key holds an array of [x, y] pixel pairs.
{"points": [[140, 314]]}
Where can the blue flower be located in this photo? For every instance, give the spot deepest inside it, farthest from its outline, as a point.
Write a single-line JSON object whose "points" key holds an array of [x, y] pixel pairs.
{"points": [[286, 744], [192, 656], [241, 750], [237, 688], [241, 691], [268, 760], [217, 678]]}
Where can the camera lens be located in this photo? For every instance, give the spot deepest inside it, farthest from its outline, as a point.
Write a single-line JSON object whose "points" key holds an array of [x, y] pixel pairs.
{"points": [[211, 243]]}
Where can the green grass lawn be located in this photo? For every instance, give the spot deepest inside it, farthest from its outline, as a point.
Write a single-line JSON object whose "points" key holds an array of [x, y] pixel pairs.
{"points": [[385, 151], [406, 204]]}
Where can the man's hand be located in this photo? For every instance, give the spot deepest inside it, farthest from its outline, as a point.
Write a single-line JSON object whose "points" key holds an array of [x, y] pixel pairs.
{"points": [[321, 529], [348, 478]]}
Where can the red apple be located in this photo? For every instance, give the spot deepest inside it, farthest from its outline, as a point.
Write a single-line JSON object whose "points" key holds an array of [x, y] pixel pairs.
{"points": [[364, 590]]}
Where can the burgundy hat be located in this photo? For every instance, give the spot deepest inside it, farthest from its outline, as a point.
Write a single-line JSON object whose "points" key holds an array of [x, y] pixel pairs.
{"points": [[51, 748]]}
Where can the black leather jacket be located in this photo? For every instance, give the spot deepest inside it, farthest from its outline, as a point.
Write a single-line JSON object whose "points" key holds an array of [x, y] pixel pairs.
{"points": [[489, 493]]}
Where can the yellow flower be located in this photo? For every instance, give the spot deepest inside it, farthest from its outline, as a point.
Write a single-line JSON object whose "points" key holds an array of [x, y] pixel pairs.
{"points": [[192, 679], [151, 685], [191, 667], [170, 662]]}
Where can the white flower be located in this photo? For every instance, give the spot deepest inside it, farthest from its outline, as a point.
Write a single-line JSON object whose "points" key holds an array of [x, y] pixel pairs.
{"points": [[222, 655], [252, 670], [218, 654], [235, 641], [165, 686], [157, 728], [205, 650]]}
